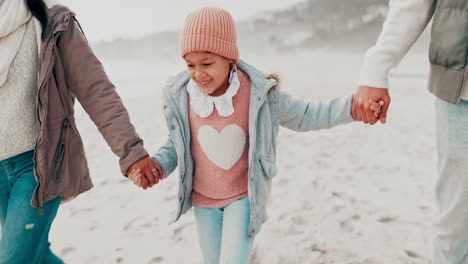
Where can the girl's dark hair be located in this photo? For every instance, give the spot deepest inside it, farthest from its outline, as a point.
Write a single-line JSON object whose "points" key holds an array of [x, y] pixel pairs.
{"points": [[39, 10]]}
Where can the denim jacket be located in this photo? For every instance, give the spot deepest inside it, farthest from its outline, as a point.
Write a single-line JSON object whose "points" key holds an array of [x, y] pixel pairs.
{"points": [[269, 108]]}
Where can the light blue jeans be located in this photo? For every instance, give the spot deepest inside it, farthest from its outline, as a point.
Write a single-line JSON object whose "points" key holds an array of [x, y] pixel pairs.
{"points": [[450, 225], [223, 232], [25, 229]]}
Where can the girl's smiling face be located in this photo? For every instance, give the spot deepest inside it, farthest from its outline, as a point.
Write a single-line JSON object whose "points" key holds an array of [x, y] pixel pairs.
{"points": [[209, 71]]}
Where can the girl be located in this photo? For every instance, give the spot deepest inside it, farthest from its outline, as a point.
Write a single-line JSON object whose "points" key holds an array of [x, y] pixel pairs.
{"points": [[45, 63], [223, 117]]}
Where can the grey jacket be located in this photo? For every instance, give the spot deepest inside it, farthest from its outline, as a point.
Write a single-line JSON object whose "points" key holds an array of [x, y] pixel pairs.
{"points": [[68, 70], [269, 108], [448, 51]]}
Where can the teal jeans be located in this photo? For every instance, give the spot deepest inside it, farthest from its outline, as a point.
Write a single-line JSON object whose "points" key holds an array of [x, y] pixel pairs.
{"points": [[25, 229], [223, 233], [450, 225]]}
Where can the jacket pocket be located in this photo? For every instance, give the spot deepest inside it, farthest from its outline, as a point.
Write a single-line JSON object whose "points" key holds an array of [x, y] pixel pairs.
{"points": [[60, 151], [268, 166]]}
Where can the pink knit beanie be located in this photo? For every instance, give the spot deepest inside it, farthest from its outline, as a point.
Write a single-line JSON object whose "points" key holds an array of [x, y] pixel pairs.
{"points": [[210, 29]]}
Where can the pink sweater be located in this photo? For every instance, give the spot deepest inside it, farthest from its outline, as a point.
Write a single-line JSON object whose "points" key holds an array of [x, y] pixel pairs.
{"points": [[220, 148]]}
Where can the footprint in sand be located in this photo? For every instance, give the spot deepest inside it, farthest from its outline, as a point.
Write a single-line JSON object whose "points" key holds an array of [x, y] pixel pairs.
{"points": [[103, 183], [314, 183], [283, 181], [66, 251], [344, 196], [386, 219], [356, 217], [87, 210], [337, 208], [315, 248], [170, 198], [92, 259], [299, 220], [156, 260], [79, 211], [412, 254], [347, 224], [129, 224], [134, 222], [297, 228], [146, 225], [171, 188], [422, 208], [178, 232], [283, 216], [359, 169]]}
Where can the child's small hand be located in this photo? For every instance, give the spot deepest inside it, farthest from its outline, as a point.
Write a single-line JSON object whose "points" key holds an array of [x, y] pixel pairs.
{"points": [[376, 107], [135, 176]]}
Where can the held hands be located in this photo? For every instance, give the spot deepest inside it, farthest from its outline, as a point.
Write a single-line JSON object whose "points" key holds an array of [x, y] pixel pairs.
{"points": [[148, 170], [376, 107], [137, 177], [363, 108]]}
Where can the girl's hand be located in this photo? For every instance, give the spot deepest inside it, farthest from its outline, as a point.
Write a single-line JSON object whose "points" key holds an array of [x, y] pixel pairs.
{"points": [[135, 176], [376, 107]]}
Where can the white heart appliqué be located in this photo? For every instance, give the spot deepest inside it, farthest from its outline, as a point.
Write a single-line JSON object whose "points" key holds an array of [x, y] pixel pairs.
{"points": [[223, 149]]}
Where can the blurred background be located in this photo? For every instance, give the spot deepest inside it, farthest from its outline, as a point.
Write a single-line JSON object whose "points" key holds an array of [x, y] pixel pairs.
{"points": [[355, 194]]}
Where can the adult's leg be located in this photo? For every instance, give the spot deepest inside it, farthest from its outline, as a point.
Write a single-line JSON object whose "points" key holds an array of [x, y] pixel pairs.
{"points": [[5, 190], [450, 225], [26, 228]]}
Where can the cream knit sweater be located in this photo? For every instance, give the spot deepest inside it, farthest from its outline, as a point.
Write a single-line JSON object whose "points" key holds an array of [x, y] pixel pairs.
{"points": [[19, 126]]}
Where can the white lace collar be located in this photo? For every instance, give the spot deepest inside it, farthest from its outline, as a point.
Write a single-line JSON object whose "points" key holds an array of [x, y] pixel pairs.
{"points": [[204, 104]]}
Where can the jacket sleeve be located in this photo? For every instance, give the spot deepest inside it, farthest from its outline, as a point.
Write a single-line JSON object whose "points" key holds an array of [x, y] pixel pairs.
{"points": [[88, 81], [405, 22], [299, 115], [166, 157]]}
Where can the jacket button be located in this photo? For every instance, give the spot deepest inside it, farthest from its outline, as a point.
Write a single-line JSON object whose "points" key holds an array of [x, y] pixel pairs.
{"points": [[165, 107], [172, 127], [180, 198], [251, 179]]}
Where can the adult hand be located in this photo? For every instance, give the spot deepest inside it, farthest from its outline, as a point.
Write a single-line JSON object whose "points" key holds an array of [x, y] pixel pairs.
{"points": [[148, 168], [136, 177], [363, 99]]}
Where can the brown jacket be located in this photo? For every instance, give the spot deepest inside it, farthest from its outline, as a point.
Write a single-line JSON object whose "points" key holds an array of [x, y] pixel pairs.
{"points": [[68, 69]]}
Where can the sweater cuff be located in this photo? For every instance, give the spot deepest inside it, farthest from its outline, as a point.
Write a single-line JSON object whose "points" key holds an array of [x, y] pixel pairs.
{"points": [[159, 169], [374, 72], [136, 154]]}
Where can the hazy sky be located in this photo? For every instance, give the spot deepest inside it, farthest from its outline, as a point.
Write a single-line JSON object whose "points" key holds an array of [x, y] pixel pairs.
{"points": [[109, 19]]}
